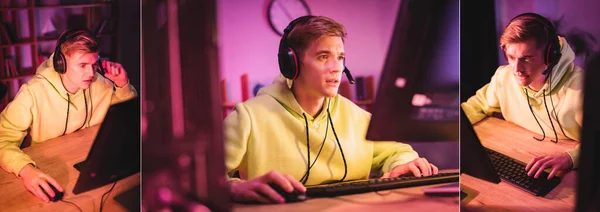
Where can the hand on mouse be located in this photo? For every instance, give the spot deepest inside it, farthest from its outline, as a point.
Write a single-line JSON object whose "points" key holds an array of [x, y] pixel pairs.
{"points": [[35, 179], [259, 189]]}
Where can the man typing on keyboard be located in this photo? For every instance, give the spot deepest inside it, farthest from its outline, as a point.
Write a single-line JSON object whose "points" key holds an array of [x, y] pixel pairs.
{"points": [[540, 89], [299, 132]]}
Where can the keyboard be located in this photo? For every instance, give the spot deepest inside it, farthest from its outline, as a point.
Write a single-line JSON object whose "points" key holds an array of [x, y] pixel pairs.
{"points": [[372, 185], [513, 171]]}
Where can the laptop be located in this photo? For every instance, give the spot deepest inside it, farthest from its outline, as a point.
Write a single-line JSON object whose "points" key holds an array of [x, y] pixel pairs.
{"points": [[115, 153]]}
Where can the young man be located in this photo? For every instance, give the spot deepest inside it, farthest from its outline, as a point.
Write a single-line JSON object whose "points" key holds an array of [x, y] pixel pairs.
{"points": [[65, 95], [540, 89], [299, 132]]}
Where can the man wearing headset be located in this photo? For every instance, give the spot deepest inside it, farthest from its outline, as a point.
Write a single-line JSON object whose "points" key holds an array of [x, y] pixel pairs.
{"points": [[298, 132], [65, 95], [540, 89]]}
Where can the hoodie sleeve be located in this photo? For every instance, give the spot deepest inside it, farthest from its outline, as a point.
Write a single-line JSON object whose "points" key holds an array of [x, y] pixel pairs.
{"points": [[237, 131], [15, 119], [124, 93], [483, 103], [389, 154]]}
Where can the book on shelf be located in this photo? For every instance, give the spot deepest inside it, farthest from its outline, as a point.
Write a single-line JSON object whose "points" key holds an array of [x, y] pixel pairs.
{"points": [[105, 26], [7, 35]]}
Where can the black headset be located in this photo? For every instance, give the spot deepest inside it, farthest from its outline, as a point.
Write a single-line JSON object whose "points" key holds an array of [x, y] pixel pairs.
{"points": [[59, 61], [552, 54], [289, 63]]}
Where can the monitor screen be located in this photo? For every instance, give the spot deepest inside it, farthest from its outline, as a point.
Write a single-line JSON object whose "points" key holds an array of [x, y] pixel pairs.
{"points": [[418, 94]]}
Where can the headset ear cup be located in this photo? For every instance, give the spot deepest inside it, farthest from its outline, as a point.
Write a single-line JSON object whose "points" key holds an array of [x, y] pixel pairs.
{"points": [[59, 63], [294, 64], [288, 64]]}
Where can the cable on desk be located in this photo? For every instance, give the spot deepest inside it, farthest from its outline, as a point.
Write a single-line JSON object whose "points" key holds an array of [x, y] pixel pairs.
{"points": [[105, 193], [71, 203]]}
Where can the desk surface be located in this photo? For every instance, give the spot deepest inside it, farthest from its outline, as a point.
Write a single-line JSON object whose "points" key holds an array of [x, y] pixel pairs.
{"points": [[514, 141], [56, 157], [388, 200]]}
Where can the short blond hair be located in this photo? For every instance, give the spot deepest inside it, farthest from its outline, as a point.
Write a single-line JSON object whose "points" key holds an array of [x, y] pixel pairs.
{"points": [[314, 28], [85, 42], [523, 29]]}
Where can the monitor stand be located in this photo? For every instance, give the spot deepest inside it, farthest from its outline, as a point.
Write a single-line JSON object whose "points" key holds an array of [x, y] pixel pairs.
{"points": [[467, 194], [79, 165]]}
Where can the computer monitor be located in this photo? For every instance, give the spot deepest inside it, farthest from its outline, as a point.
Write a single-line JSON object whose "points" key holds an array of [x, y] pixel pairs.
{"points": [[115, 153], [474, 160], [588, 185], [418, 94]]}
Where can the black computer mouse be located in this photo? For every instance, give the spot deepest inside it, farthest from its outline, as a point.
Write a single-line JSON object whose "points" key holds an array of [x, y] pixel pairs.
{"points": [[57, 194], [294, 196]]}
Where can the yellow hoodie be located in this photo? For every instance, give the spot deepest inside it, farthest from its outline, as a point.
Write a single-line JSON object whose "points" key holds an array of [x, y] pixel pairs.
{"points": [[504, 95], [268, 132], [40, 106]]}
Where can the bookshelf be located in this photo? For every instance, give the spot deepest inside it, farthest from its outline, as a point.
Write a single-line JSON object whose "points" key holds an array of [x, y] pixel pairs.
{"points": [[29, 30]]}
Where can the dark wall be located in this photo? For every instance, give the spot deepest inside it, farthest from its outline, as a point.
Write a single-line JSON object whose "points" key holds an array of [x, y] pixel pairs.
{"points": [[478, 45], [128, 37]]}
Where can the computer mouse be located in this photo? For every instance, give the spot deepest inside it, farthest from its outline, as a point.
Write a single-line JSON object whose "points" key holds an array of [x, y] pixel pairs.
{"points": [[57, 194], [294, 196]]}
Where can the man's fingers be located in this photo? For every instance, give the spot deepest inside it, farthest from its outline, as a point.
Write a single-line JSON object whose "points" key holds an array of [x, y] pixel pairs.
{"points": [[295, 183], [268, 192], [532, 161], [47, 188], [540, 170], [54, 183], [552, 173], [434, 169], [276, 179], [414, 169], [423, 164], [537, 165], [253, 196], [37, 191], [385, 175]]}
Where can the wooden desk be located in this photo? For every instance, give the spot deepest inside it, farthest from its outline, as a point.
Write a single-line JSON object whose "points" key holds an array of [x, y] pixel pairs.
{"points": [[56, 157], [517, 142], [412, 199]]}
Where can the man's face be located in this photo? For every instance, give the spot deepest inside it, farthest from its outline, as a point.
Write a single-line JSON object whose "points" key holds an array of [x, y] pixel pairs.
{"points": [[80, 69], [527, 63], [321, 67]]}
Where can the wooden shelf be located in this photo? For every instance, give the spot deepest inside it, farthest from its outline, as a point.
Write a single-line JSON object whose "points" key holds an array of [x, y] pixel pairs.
{"points": [[43, 40], [16, 78], [41, 7]]}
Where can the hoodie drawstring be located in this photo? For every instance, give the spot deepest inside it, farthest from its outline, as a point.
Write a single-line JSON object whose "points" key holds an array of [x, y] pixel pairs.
{"points": [[554, 108], [69, 107], [550, 117], [309, 165]]}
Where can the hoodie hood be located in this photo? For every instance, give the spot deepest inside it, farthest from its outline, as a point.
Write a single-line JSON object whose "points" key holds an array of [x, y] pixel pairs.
{"points": [[281, 91], [47, 72], [564, 66]]}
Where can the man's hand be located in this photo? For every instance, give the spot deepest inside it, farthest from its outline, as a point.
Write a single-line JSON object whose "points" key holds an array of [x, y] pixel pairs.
{"points": [[259, 189], [559, 162], [35, 180], [115, 72], [418, 167]]}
